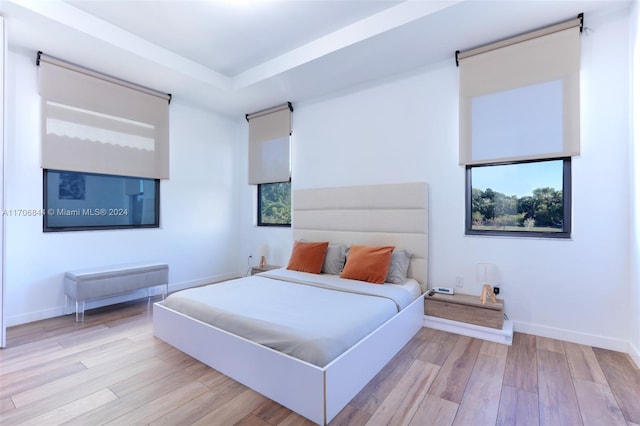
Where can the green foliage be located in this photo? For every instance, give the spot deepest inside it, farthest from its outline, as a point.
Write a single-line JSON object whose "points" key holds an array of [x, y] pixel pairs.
{"points": [[275, 203], [494, 210]]}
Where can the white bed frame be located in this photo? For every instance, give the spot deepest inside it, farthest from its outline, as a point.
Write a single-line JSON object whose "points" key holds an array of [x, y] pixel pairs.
{"points": [[395, 214]]}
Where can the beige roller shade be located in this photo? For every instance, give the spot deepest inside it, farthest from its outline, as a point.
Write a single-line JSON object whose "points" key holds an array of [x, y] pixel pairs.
{"points": [[269, 155], [98, 124], [520, 98]]}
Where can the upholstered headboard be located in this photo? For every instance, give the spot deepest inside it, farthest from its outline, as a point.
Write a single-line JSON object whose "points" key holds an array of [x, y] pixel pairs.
{"points": [[392, 214]]}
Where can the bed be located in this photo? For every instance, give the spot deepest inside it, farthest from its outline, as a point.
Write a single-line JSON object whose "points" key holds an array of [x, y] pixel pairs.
{"points": [[317, 383]]}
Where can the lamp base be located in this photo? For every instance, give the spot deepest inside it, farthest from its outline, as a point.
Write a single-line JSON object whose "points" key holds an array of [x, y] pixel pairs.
{"points": [[487, 290], [263, 262]]}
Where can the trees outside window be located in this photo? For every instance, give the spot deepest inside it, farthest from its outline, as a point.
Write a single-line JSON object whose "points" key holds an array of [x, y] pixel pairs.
{"points": [[274, 204], [525, 198]]}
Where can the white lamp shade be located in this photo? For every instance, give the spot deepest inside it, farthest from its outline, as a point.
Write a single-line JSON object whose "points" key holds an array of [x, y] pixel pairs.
{"points": [[487, 273], [263, 250]]}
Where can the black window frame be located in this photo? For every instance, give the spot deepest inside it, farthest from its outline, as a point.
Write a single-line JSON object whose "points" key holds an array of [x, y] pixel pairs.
{"points": [[46, 228], [566, 203], [260, 221]]}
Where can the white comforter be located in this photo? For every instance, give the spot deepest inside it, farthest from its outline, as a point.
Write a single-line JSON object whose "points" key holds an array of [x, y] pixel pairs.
{"points": [[311, 317]]}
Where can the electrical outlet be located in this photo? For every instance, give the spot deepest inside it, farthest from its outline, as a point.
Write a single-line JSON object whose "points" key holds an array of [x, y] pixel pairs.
{"points": [[496, 290], [459, 282]]}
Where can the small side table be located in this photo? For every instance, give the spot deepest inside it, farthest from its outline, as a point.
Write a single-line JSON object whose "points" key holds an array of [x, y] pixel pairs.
{"points": [[265, 268], [465, 308]]}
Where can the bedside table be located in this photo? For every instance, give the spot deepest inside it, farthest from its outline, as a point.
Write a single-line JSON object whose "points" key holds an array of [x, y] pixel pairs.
{"points": [[258, 269], [465, 308]]}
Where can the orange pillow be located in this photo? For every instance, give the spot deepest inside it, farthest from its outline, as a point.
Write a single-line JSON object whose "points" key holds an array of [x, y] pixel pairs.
{"points": [[368, 263], [308, 256]]}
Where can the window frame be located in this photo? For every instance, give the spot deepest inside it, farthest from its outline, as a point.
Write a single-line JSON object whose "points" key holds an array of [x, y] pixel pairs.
{"points": [[259, 220], [46, 228], [566, 202]]}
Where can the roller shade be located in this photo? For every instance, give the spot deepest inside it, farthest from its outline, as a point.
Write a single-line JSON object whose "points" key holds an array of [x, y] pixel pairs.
{"points": [[520, 98], [97, 124], [269, 133]]}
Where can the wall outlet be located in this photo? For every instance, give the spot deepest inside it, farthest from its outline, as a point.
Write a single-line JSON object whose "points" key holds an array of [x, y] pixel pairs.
{"points": [[459, 282], [496, 290]]}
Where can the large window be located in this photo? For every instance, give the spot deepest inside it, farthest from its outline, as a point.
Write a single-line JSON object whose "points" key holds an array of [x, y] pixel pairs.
{"points": [[75, 201], [270, 163], [519, 129], [105, 130], [521, 199], [274, 204]]}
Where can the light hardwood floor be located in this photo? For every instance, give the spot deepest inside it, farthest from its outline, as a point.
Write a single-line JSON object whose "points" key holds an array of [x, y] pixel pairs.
{"points": [[111, 370]]}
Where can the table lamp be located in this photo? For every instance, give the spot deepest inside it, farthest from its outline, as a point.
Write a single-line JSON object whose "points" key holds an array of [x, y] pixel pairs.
{"points": [[487, 274], [263, 249]]}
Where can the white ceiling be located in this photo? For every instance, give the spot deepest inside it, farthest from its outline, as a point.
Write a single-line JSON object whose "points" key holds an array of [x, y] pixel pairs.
{"points": [[240, 56]]}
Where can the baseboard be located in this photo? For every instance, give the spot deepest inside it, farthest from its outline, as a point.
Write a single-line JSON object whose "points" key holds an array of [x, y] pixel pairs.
{"points": [[505, 335], [34, 316], [573, 336], [57, 311]]}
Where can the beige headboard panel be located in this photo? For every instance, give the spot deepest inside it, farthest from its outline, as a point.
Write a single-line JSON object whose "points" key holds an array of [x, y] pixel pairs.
{"points": [[392, 214]]}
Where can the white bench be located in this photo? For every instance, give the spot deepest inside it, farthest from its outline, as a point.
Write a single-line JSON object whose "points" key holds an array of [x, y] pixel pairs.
{"points": [[98, 283]]}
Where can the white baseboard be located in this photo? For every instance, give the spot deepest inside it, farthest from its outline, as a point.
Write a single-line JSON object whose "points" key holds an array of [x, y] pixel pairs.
{"points": [[573, 336], [504, 336], [34, 316], [57, 311]]}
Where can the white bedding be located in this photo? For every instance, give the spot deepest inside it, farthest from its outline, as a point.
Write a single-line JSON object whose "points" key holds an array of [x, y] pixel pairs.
{"points": [[311, 317]]}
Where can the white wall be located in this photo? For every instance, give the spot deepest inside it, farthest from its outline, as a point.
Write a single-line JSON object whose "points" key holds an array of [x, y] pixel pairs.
{"points": [[634, 53], [406, 129], [198, 234]]}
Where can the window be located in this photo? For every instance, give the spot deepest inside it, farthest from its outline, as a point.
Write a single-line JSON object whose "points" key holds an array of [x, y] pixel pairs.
{"points": [[521, 199], [519, 128], [270, 163], [274, 204], [106, 130], [76, 201]]}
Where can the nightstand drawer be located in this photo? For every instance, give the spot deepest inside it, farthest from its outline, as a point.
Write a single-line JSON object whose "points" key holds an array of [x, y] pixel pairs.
{"points": [[465, 308]]}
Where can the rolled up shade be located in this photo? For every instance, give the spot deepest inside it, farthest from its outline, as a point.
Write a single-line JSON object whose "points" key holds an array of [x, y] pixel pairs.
{"points": [[269, 133], [97, 124], [520, 98]]}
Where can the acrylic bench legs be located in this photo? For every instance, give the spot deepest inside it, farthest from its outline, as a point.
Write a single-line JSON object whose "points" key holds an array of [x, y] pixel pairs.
{"points": [[79, 311], [79, 308], [80, 303]]}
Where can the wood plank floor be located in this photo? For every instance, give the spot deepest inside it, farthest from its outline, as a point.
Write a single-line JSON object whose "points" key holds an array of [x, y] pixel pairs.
{"points": [[111, 370]]}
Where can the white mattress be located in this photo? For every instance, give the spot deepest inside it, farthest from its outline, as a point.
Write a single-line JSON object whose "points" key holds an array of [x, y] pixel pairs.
{"points": [[312, 317]]}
